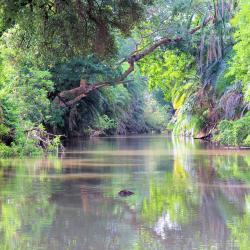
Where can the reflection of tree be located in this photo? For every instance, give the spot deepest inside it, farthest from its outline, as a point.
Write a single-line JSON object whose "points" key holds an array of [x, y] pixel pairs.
{"points": [[235, 173], [224, 186], [240, 227], [145, 241], [25, 211], [234, 167], [118, 213], [201, 198], [172, 198], [199, 201]]}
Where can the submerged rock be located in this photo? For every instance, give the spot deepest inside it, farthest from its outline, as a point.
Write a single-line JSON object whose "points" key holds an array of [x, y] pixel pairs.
{"points": [[124, 193]]}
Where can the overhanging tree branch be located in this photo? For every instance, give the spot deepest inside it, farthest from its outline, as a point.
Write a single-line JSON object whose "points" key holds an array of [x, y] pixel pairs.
{"points": [[71, 97]]}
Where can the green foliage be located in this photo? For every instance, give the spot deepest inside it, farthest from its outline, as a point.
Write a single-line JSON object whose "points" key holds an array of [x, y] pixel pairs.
{"points": [[156, 116], [24, 102], [155, 120], [23, 145], [87, 112], [247, 140], [54, 145], [224, 80], [104, 123], [173, 73], [56, 116], [33, 88], [191, 73], [188, 125], [239, 67], [91, 68], [47, 48], [5, 151], [3, 130], [221, 84], [63, 29], [234, 133], [25, 88], [122, 104]]}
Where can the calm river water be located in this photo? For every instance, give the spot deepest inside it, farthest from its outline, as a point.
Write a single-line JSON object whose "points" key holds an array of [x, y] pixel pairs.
{"points": [[188, 195]]}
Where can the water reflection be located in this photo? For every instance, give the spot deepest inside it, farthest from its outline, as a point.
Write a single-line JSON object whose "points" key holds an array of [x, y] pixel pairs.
{"points": [[188, 195], [25, 208]]}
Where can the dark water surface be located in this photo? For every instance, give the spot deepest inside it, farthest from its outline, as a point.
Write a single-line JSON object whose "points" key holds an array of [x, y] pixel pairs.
{"points": [[188, 195]]}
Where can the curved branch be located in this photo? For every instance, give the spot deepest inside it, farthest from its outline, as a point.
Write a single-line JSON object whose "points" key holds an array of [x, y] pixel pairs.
{"points": [[76, 94]]}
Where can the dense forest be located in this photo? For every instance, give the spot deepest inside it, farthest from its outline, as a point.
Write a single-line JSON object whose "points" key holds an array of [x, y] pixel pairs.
{"points": [[95, 68]]}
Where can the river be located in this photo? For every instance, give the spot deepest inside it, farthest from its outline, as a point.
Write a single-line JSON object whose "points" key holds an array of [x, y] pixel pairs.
{"points": [[187, 195]]}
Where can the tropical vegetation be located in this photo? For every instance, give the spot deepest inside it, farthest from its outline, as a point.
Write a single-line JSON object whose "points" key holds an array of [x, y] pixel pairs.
{"points": [[95, 68]]}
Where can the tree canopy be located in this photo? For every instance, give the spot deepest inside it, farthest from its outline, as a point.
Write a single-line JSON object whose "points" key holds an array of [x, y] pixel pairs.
{"points": [[63, 62], [64, 29]]}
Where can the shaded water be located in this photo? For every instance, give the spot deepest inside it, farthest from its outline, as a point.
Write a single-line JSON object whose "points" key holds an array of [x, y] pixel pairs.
{"points": [[187, 196]]}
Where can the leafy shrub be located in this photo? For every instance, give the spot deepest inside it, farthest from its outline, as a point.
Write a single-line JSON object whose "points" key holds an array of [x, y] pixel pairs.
{"points": [[3, 130], [23, 145], [222, 83], [247, 141], [235, 133], [104, 123], [5, 151], [155, 120], [188, 125], [239, 66], [54, 145], [24, 102]]}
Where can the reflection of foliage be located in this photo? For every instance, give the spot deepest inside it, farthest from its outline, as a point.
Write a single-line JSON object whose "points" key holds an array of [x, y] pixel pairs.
{"points": [[236, 167], [25, 210], [173, 197], [145, 241], [240, 227]]}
